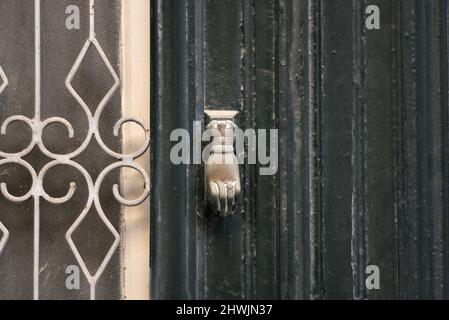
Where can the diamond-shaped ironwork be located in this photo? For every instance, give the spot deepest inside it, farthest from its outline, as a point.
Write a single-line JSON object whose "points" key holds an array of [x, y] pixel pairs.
{"points": [[89, 43], [37, 125], [93, 278], [4, 80], [5, 235]]}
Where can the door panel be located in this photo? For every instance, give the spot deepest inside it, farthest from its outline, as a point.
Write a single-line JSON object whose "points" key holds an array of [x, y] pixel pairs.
{"points": [[362, 177]]}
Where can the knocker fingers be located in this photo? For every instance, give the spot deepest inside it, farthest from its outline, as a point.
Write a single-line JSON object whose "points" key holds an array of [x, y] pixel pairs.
{"points": [[223, 194], [223, 198], [214, 195], [230, 187]]}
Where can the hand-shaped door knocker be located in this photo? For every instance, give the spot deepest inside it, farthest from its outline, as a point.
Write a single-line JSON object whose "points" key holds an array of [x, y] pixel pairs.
{"points": [[222, 168]]}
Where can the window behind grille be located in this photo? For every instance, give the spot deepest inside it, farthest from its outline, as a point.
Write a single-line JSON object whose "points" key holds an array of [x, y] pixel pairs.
{"points": [[60, 48]]}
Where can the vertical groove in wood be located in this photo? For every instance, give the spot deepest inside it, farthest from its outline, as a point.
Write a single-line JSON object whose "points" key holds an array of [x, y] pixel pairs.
{"points": [[357, 154], [445, 165], [429, 149], [379, 160], [436, 32], [441, 243], [267, 218], [283, 117], [407, 165], [291, 117], [194, 112], [173, 229], [422, 141], [249, 172], [314, 252], [336, 126], [423, 202], [200, 198], [300, 194]]}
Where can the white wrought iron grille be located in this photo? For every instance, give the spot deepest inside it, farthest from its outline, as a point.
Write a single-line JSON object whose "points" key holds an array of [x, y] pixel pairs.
{"points": [[37, 126]]}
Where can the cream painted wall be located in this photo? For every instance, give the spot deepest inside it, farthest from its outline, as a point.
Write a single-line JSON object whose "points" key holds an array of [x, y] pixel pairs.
{"points": [[136, 103]]}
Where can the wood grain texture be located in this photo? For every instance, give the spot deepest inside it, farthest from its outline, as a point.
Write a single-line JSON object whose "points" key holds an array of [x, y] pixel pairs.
{"points": [[363, 149]]}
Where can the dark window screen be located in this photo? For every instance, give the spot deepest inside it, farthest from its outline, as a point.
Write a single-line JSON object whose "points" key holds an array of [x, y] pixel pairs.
{"points": [[60, 49]]}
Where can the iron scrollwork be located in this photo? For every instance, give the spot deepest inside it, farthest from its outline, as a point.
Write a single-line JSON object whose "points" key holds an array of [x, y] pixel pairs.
{"points": [[38, 125]]}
